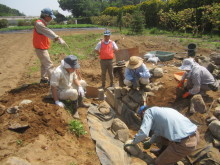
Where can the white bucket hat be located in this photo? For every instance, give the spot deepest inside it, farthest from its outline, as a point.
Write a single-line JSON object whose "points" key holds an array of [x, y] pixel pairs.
{"points": [[187, 64], [134, 62]]}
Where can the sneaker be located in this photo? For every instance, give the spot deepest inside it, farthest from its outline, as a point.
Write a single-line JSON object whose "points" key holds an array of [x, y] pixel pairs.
{"points": [[101, 87], [76, 115], [43, 81]]}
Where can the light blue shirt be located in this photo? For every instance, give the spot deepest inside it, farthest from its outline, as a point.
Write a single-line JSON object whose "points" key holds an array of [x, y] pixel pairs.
{"points": [[165, 122], [136, 74]]}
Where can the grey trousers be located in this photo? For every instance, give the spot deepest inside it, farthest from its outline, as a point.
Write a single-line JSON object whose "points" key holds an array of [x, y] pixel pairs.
{"points": [[46, 63], [106, 65]]}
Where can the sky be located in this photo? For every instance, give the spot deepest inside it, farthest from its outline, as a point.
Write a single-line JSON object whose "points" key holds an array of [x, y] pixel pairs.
{"points": [[33, 7]]}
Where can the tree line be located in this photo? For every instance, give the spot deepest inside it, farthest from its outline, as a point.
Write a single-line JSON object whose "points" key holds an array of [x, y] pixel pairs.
{"points": [[7, 11]]}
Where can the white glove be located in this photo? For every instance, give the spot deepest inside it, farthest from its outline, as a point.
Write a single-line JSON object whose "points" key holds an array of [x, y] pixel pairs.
{"points": [[59, 103], [81, 91], [61, 41]]}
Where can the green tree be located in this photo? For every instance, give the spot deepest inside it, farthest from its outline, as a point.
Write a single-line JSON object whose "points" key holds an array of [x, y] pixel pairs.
{"points": [[59, 17], [178, 5], [119, 19], [151, 9], [3, 23], [137, 24], [168, 20], [7, 11]]}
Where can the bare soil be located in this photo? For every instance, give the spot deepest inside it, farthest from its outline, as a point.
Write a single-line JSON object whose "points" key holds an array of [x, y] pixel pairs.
{"points": [[48, 140]]}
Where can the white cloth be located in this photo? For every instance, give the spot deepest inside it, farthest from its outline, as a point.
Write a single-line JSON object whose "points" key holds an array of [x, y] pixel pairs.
{"points": [[81, 91], [61, 41], [60, 104]]}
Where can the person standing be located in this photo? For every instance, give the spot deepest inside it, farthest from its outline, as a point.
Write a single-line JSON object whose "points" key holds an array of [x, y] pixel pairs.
{"points": [[65, 84], [180, 135], [105, 49], [41, 42]]}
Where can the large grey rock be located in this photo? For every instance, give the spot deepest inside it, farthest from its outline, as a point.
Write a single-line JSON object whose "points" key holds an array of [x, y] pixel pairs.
{"points": [[117, 124], [216, 59], [217, 111], [15, 161], [104, 108], [158, 72], [14, 125], [216, 143], [133, 149], [135, 96], [197, 104], [13, 110], [129, 102], [214, 127]]}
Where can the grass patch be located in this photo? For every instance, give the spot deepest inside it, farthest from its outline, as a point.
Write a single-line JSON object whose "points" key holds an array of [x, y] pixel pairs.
{"points": [[34, 68], [50, 26], [81, 45], [76, 127]]}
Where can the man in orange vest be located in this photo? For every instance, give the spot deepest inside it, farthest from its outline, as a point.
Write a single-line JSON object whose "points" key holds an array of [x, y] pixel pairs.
{"points": [[41, 42], [105, 49]]}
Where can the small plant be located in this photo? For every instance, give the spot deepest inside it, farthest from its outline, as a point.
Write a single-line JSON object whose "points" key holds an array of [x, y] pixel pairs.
{"points": [[76, 127], [72, 164], [19, 142]]}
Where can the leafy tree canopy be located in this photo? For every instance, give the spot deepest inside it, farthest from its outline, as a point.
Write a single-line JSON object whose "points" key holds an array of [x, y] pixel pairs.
{"points": [[7, 11], [86, 8]]}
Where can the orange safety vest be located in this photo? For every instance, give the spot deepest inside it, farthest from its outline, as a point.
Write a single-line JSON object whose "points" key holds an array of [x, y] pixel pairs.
{"points": [[40, 41], [106, 51]]}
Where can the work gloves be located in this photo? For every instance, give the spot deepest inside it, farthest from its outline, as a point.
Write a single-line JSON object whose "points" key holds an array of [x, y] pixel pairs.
{"points": [[180, 84], [185, 95], [146, 145], [61, 41], [59, 103], [81, 91]]}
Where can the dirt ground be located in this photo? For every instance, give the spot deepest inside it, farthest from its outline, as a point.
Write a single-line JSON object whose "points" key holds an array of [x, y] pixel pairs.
{"points": [[47, 141]]}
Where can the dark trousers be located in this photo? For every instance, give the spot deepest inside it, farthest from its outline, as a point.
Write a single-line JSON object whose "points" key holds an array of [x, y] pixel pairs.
{"points": [[106, 65]]}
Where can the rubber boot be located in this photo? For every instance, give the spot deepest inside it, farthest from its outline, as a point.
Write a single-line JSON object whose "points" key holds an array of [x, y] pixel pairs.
{"points": [[81, 103], [75, 111], [142, 87], [157, 152]]}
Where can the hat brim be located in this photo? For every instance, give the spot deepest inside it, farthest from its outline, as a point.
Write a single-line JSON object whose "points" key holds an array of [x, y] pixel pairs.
{"points": [[185, 67], [53, 16], [77, 66], [140, 62]]}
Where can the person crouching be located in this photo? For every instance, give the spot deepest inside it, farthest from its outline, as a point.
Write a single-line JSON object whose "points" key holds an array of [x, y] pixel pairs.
{"points": [[65, 84]]}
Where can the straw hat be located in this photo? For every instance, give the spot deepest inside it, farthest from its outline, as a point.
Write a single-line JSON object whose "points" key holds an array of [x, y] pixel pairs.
{"points": [[134, 62]]}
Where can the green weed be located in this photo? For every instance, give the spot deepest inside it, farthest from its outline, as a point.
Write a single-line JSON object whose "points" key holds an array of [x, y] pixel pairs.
{"points": [[76, 127], [19, 142]]}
